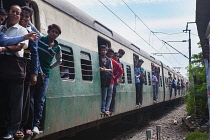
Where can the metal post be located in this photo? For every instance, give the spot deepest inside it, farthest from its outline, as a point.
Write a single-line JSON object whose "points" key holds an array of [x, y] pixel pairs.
{"points": [[159, 130], [149, 133], [189, 49]]}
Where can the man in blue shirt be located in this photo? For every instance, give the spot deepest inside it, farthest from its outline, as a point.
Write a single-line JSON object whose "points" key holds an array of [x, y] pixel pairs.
{"points": [[7, 41]]}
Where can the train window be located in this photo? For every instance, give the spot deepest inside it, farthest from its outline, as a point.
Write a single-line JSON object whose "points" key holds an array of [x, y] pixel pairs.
{"points": [[67, 71], [123, 76], [129, 78], [149, 78], [145, 78], [86, 66]]}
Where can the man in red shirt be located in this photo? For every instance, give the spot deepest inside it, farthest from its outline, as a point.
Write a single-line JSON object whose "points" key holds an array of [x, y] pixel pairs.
{"points": [[117, 72]]}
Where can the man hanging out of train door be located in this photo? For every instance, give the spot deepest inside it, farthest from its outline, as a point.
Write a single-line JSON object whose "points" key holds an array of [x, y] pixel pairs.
{"points": [[170, 80], [105, 64], [48, 49], [141, 78], [117, 72], [154, 82]]}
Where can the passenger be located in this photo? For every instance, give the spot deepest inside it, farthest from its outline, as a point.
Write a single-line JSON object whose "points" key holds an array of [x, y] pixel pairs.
{"points": [[117, 72], [6, 41], [48, 48], [137, 74], [121, 53], [12, 90], [178, 86], [187, 87], [175, 86], [154, 82], [105, 64], [182, 86], [141, 78], [157, 74], [31, 54], [170, 80]]}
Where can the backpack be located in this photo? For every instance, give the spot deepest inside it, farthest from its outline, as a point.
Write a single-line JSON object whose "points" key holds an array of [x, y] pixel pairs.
{"points": [[105, 75]]}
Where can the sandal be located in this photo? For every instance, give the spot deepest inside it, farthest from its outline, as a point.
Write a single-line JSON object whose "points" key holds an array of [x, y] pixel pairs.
{"points": [[29, 133], [19, 134]]}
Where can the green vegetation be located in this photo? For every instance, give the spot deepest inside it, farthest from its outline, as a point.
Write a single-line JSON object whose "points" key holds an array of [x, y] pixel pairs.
{"points": [[197, 96], [197, 136]]}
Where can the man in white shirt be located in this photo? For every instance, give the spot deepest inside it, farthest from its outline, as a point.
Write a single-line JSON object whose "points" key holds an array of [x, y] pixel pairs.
{"points": [[11, 91], [12, 27]]}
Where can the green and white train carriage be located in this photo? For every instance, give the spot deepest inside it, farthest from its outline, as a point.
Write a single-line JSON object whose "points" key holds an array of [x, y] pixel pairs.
{"points": [[76, 101]]}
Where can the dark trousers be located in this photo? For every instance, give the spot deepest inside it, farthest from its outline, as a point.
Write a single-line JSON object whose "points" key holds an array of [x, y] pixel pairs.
{"points": [[141, 92], [138, 96], [26, 100], [112, 105], [170, 90], [175, 90], [11, 103]]}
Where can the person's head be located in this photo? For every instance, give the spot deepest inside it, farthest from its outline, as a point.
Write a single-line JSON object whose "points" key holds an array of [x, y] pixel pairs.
{"points": [[14, 15], [3, 15], [140, 62], [53, 31], [121, 53], [103, 50], [157, 69], [25, 16], [153, 73], [116, 56], [110, 53]]}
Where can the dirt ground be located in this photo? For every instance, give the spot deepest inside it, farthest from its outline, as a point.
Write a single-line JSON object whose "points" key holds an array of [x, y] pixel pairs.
{"points": [[171, 123]]}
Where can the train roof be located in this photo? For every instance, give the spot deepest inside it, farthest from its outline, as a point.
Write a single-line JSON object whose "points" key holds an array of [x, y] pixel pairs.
{"points": [[81, 16], [202, 21]]}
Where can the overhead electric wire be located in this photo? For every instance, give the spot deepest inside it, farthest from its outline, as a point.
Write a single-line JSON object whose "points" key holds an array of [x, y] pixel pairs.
{"points": [[132, 29], [145, 24]]}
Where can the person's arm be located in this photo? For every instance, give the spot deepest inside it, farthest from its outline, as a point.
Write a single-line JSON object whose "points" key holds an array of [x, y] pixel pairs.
{"points": [[103, 69], [34, 62], [58, 57], [8, 41], [14, 48]]}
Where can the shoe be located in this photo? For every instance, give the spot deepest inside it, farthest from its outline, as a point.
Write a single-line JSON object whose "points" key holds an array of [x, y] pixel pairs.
{"points": [[136, 106], [36, 130], [28, 133], [8, 137], [19, 134], [107, 113]]}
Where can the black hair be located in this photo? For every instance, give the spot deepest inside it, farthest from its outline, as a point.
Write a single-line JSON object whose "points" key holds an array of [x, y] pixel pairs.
{"points": [[110, 50], [116, 53], [121, 51], [3, 12], [26, 8], [50, 27], [102, 47], [140, 60]]}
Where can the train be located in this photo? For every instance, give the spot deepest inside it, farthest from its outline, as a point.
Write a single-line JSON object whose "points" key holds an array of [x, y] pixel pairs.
{"points": [[76, 101]]}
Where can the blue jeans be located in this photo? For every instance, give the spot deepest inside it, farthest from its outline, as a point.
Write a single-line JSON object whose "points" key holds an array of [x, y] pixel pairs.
{"points": [[39, 94], [106, 97]]}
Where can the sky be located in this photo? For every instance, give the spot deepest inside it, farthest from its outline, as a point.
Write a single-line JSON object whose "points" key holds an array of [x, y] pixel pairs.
{"points": [[152, 21]]}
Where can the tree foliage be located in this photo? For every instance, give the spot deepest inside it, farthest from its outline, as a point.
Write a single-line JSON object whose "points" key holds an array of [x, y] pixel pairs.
{"points": [[197, 96]]}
